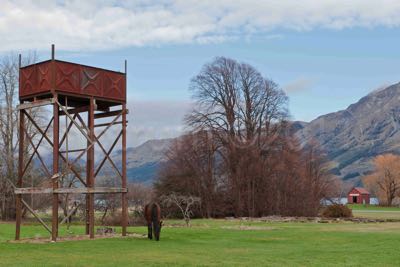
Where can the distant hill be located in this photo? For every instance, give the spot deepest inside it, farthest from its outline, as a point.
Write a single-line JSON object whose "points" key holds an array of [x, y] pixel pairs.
{"points": [[350, 137], [144, 161]]}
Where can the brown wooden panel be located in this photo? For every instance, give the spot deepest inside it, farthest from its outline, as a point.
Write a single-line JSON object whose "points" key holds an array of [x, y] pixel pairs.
{"points": [[28, 81], [91, 81], [44, 77], [74, 79], [67, 77], [35, 79], [114, 85]]}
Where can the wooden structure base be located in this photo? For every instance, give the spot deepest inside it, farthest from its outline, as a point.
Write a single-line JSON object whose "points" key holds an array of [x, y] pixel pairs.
{"points": [[67, 87]]}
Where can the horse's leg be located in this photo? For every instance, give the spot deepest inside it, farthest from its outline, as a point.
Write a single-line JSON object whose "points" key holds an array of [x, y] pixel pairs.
{"points": [[149, 231], [156, 230]]}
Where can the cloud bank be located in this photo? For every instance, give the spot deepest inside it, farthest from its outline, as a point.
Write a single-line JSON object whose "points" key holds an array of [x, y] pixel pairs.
{"points": [[77, 25], [155, 120]]}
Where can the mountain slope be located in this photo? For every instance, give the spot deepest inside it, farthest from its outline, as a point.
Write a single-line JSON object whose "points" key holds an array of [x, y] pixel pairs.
{"points": [[144, 161], [352, 137]]}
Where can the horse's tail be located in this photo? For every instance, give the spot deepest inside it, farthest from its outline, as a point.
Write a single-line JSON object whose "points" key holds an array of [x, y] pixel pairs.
{"points": [[154, 213]]}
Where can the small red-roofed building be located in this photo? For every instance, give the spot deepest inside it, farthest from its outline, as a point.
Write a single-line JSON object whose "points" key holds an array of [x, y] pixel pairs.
{"points": [[358, 195]]}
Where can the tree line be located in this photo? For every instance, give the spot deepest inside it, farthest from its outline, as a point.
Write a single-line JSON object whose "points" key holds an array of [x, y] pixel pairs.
{"points": [[384, 181], [9, 143], [240, 156]]}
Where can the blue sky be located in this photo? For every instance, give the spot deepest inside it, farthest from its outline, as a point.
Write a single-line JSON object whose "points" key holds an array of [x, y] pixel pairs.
{"points": [[324, 54], [322, 71]]}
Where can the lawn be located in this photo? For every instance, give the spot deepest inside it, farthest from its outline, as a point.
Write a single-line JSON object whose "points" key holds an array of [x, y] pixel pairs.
{"points": [[372, 207], [216, 243], [375, 212]]}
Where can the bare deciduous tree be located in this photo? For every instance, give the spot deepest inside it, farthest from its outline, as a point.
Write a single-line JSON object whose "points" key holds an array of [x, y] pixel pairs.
{"points": [[108, 203], [243, 111], [192, 167], [184, 203], [240, 156], [385, 180], [9, 72]]}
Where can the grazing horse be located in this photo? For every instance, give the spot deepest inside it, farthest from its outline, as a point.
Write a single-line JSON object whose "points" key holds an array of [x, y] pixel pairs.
{"points": [[152, 213]]}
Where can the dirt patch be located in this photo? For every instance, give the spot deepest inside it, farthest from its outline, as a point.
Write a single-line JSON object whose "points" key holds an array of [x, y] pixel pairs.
{"points": [[43, 240], [182, 225], [364, 228], [249, 228]]}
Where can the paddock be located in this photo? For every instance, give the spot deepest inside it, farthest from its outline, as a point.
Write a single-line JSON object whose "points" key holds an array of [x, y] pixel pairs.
{"points": [[215, 243]]}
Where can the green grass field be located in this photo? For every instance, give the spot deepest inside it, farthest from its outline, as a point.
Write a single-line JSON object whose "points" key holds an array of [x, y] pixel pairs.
{"points": [[372, 207], [375, 212], [216, 243]]}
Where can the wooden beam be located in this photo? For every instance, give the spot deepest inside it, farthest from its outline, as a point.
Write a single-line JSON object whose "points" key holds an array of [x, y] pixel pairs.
{"points": [[67, 131], [82, 122], [91, 143], [36, 148], [37, 127], [90, 169], [108, 156], [32, 190], [83, 109], [37, 153], [36, 216], [74, 110], [55, 176], [124, 197], [72, 119], [91, 190], [18, 199], [72, 168], [106, 124], [35, 104], [109, 114], [72, 211], [70, 190], [56, 142], [69, 165], [108, 153], [74, 150]]}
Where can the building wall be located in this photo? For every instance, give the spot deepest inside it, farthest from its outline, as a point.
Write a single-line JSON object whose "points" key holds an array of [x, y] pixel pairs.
{"points": [[361, 198]]}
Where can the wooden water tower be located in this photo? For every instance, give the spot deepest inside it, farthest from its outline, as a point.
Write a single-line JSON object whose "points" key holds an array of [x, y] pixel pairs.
{"points": [[84, 96]]}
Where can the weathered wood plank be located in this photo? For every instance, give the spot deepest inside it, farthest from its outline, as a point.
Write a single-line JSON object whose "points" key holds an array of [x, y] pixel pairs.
{"points": [[32, 190], [109, 114], [82, 190], [36, 215], [106, 124], [74, 150], [64, 109], [72, 211], [94, 190], [74, 111], [35, 104]]}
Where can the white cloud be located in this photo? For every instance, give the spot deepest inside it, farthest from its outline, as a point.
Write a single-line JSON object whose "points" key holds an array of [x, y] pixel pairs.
{"points": [[155, 120], [298, 85], [147, 119], [77, 25]]}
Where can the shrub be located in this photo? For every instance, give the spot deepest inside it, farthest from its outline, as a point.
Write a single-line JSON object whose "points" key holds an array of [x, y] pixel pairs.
{"points": [[112, 219], [337, 211]]}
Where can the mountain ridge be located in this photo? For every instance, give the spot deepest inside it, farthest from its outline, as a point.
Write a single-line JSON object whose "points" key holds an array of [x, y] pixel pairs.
{"points": [[353, 136], [350, 137]]}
